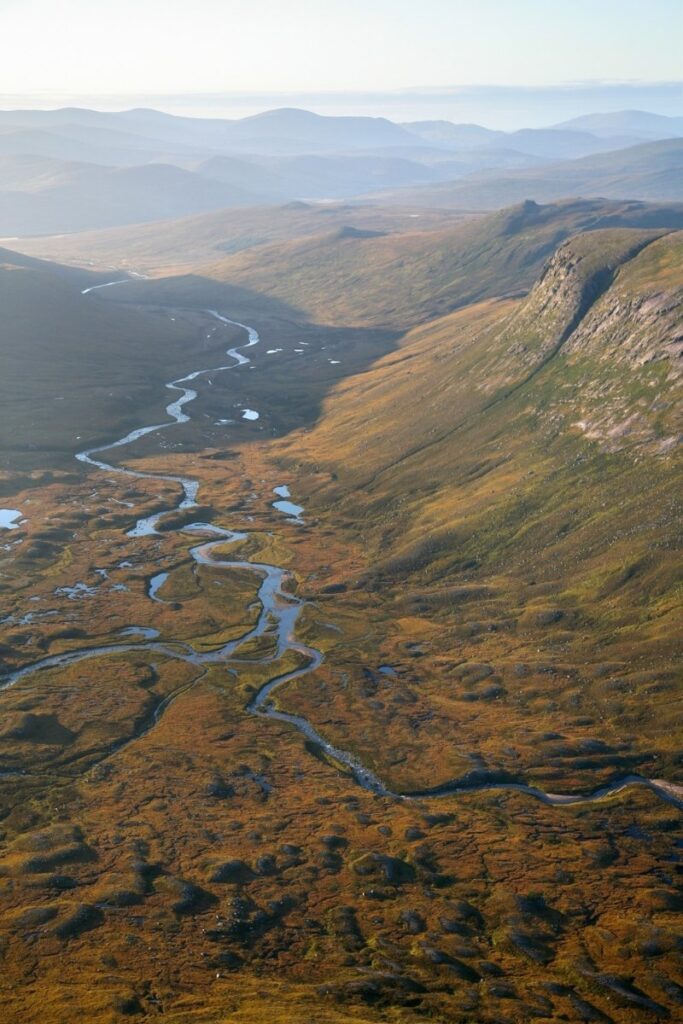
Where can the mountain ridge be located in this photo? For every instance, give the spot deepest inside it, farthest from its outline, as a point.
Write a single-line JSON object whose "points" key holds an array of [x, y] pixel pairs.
{"points": [[290, 153]]}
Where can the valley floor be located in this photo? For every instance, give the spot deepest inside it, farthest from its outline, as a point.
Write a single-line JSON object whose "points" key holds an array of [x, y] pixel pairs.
{"points": [[218, 865], [485, 597]]}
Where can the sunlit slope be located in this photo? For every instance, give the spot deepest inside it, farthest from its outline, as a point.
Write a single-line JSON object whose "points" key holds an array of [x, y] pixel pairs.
{"points": [[515, 471], [184, 242], [355, 276], [75, 369], [457, 366], [589, 361]]}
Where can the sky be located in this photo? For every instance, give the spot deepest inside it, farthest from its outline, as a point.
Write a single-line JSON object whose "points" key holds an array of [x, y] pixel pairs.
{"points": [[105, 49]]}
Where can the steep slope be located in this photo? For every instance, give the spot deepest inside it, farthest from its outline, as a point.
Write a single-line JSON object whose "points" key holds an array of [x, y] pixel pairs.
{"points": [[652, 171], [496, 347], [514, 471]]}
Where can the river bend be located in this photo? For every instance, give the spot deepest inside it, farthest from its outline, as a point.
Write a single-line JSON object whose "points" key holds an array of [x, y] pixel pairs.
{"points": [[279, 612]]}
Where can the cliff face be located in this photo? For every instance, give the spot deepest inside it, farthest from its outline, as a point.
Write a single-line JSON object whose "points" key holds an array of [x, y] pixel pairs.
{"points": [[512, 474], [597, 344], [487, 418], [592, 353], [623, 364], [639, 321], [577, 275]]}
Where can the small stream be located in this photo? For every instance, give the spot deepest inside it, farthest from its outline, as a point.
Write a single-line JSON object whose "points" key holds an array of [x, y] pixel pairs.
{"points": [[278, 615]]}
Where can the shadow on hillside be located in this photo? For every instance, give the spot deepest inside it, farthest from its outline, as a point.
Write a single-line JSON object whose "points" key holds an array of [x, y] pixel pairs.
{"points": [[79, 277], [197, 292], [308, 361]]}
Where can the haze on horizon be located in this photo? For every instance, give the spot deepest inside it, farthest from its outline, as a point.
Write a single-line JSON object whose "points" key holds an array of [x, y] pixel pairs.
{"points": [[449, 59]]}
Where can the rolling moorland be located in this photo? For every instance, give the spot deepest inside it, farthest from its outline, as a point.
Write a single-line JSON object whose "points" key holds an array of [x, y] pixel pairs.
{"points": [[408, 748]]}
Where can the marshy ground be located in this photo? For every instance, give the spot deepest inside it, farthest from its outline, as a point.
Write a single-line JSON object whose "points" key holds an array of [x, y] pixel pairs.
{"points": [[496, 601]]}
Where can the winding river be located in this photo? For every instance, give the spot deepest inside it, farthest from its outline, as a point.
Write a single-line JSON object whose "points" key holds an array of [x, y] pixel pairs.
{"points": [[278, 615]]}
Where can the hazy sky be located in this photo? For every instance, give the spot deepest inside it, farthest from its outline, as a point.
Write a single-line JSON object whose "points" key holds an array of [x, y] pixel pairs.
{"points": [[92, 47]]}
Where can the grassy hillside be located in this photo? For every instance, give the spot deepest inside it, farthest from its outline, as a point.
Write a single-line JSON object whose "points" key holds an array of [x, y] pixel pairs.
{"points": [[514, 471], [189, 241], [356, 277]]}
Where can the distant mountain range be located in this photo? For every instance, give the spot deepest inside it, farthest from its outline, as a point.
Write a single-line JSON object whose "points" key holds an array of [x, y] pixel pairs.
{"points": [[626, 122], [549, 143], [650, 171], [75, 169]]}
